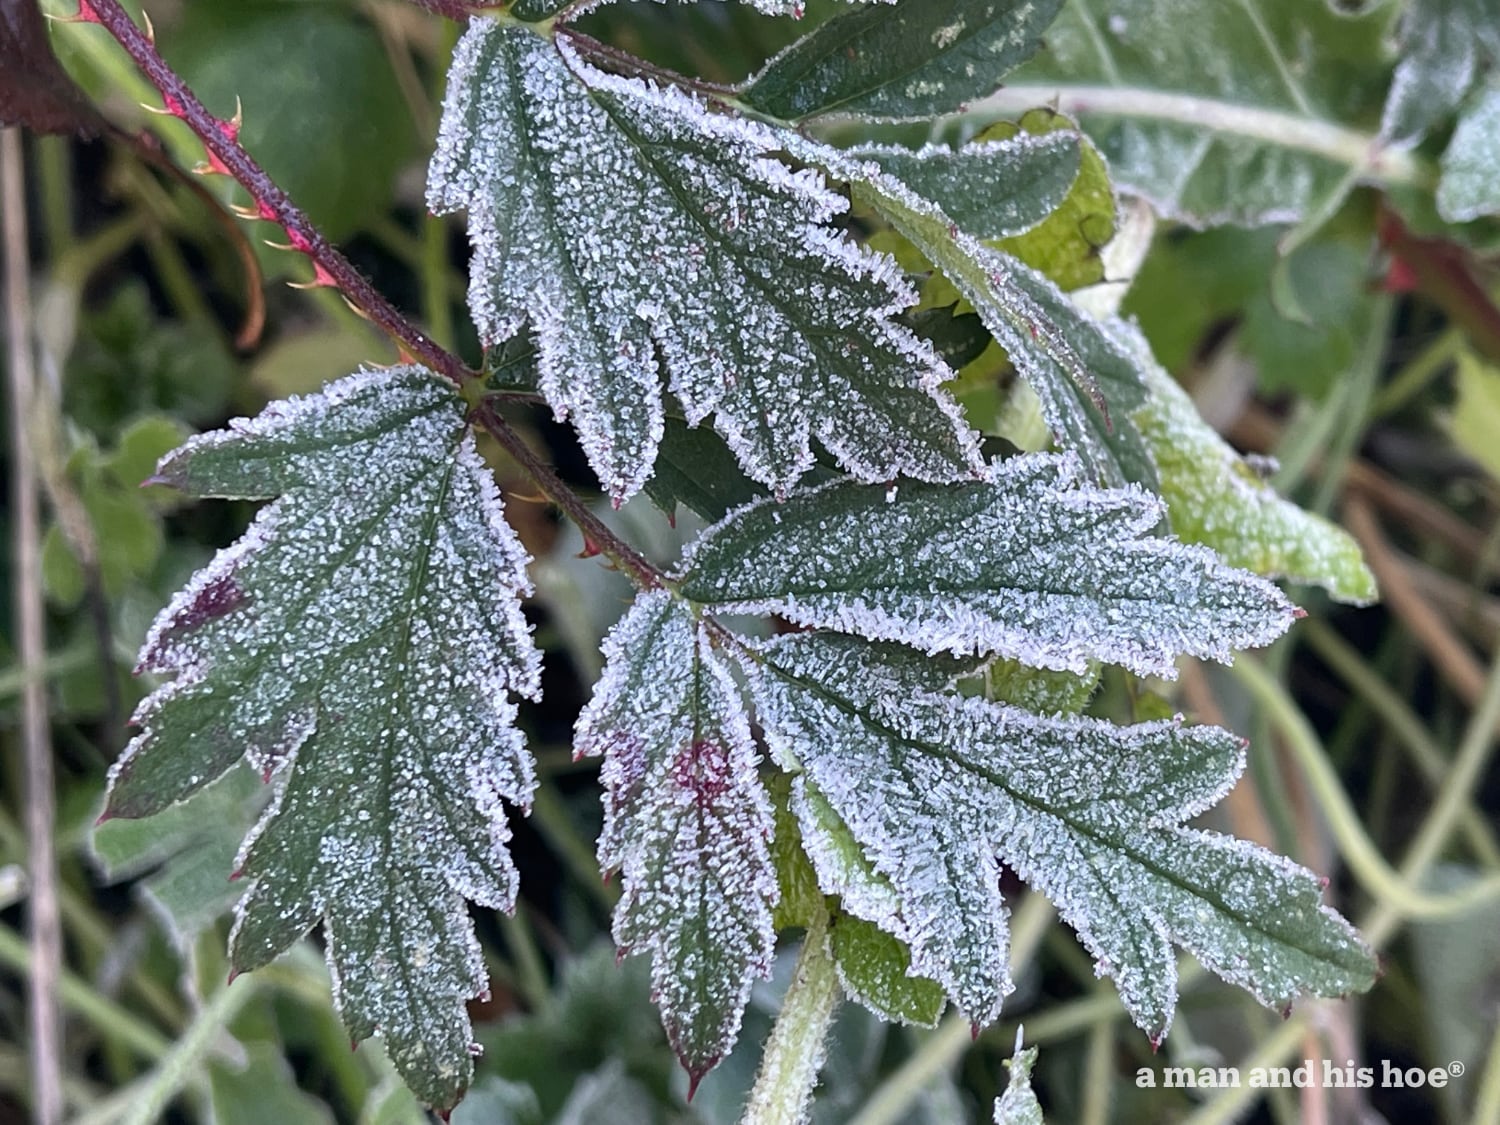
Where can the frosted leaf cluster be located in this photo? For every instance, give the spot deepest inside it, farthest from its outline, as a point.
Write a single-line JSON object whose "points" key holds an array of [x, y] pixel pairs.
{"points": [[359, 646], [650, 245], [686, 821], [938, 790], [1029, 564]]}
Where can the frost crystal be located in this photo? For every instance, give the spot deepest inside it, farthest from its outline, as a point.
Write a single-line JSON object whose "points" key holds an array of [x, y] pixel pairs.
{"points": [[687, 822], [644, 239], [937, 790], [1029, 565], [359, 645]]}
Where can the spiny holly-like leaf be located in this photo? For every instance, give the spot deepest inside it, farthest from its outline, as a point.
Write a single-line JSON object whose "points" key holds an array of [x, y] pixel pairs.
{"points": [[938, 790], [1214, 498], [1086, 382], [1028, 564], [918, 58], [991, 188], [686, 821], [646, 238], [359, 646]]}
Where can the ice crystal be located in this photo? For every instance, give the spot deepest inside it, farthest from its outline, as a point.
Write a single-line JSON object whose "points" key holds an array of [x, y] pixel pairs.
{"points": [[937, 790], [359, 646], [686, 821], [1029, 564], [648, 240]]}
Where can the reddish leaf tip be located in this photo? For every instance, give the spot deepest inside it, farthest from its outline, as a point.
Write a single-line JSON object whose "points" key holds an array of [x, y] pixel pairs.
{"points": [[974, 1030]]}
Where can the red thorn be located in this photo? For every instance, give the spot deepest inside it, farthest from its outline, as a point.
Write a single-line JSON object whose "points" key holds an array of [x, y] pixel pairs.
{"points": [[1156, 1042], [173, 105], [300, 242], [672, 520], [237, 874], [233, 976], [974, 1030], [444, 1114], [86, 13], [215, 165], [695, 1078], [1400, 278], [590, 549]]}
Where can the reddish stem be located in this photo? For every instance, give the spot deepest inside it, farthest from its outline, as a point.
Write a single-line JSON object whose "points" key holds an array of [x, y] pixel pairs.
{"points": [[220, 138], [271, 203]]}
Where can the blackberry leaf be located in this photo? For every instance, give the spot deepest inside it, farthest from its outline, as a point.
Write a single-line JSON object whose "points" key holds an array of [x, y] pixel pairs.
{"points": [[359, 646]]}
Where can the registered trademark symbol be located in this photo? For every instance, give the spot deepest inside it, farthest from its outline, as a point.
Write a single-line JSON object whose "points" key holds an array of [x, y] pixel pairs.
{"points": [[1456, 1069]]}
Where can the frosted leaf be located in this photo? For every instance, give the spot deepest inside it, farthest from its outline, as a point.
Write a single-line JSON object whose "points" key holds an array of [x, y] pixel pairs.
{"points": [[992, 189], [939, 789], [686, 821], [1470, 183], [1085, 379], [920, 59], [647, 239], [1214, 498], [1443, 44], [1030, 565], [1018, 1104], [359, 646]]}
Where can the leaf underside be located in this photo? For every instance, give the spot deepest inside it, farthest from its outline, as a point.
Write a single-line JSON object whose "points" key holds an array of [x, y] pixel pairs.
{"points": [[359, 646], [649, 242]]}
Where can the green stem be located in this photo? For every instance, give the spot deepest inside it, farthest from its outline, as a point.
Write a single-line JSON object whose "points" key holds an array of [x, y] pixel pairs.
{"points": [[186, 1060], [78, 997], [1397, 893], [955, 1035], [793, 1054]]}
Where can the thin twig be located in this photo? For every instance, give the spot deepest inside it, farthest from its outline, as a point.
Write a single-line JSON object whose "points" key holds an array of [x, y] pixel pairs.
{"points": [[45, 926], [1453, 659]]}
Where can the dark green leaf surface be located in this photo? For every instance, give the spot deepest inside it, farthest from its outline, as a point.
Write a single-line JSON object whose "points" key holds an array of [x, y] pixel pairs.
{"points": [[914, 58], [358, 646]]}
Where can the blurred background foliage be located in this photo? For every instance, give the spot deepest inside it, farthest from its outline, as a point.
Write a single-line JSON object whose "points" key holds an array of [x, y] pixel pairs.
{"points": [[1359, 354]]}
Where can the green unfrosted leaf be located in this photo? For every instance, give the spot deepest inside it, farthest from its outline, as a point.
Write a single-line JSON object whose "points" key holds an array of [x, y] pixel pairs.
{"points": [[1470, 184], [186, 853], [1066, 245], [1214, 498], [686, 821], [648, 241], [874, 968], [1040, 690], [938, 790], [1232, 112], [1029, 565], [1476, 415], [1086, 383], [696, 470], [1443, 44], [358, 646], [913, 58], [991, 188], [1018, 1104], [264, 1088], [314, 79]]}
